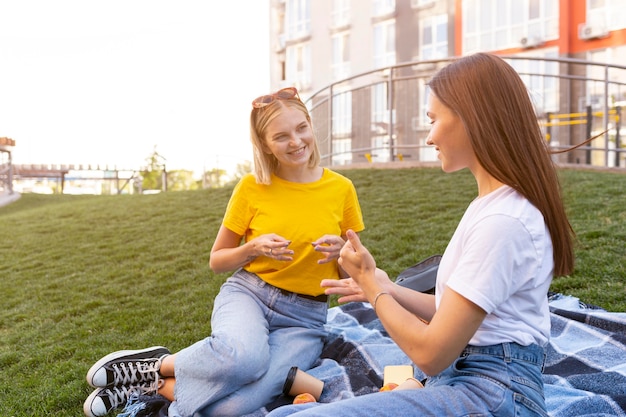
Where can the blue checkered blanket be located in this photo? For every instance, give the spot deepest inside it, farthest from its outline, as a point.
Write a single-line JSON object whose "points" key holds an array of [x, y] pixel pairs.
{"points": [[585, 373]]}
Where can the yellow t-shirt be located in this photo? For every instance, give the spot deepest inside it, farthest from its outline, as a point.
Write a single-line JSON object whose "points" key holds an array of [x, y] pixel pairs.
{"points": [[301, 213]]}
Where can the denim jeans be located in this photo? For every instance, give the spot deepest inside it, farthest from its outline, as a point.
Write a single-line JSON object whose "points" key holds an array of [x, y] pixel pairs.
{"points": [[499, 380], [258, 334]]}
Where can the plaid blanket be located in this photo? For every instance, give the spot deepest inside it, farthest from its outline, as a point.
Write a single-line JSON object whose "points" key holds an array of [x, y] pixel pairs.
{"points": [[585, 373]]}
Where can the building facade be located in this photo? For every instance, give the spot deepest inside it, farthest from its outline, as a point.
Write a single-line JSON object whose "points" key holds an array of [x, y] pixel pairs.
{"points": [[363, 65]]}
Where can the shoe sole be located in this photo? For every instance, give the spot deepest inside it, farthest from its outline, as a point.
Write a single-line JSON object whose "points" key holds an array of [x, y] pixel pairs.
{"points": [[155, 352]]}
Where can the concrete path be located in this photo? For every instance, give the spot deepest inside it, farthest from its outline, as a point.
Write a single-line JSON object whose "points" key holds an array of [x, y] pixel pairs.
{"points": [[6, 198]]}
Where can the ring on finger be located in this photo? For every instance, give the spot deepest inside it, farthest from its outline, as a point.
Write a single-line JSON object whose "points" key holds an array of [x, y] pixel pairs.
{"points": [[271, 251]]}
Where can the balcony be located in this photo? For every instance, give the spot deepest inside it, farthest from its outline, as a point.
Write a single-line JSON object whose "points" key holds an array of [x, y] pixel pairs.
{"points": [[384, 119]]}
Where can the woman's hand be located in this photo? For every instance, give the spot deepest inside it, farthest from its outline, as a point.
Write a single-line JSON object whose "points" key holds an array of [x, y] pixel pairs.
{"points": [[360, 265], [330, 246], [273, 246], [347, 289], [356, 260], [227, 253]]}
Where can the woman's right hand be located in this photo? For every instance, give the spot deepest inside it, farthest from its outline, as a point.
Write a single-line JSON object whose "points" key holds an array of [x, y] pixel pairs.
{"points": [[228, 254], [272, 246]]}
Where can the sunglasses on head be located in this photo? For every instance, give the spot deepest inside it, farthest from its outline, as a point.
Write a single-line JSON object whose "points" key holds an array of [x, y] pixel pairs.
{"points": [[283, 94]]}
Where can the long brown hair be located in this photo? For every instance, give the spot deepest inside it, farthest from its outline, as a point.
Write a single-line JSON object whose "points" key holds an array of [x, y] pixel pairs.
{"points": [[495, 108]]}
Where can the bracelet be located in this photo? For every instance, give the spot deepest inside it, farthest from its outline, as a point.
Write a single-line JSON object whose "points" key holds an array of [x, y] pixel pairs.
{"points": [[376, 298]]}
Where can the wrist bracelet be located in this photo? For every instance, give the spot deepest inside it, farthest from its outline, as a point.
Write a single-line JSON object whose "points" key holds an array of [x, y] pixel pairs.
{"points": [[376, 298]]}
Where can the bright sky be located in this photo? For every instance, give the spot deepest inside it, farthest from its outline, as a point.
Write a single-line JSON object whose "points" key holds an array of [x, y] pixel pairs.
{"points": [[105, 81]]}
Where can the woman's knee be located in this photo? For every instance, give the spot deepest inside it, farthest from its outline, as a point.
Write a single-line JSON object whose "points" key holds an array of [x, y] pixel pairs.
{"points": [[251, 362]]}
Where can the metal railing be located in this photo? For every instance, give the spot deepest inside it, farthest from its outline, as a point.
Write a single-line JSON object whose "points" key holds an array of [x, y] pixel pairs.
{"points": [[6, 171], [379, 116]]}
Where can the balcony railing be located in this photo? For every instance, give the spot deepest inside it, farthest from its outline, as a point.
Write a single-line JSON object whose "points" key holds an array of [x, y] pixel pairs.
{"points": [[379, 116]]}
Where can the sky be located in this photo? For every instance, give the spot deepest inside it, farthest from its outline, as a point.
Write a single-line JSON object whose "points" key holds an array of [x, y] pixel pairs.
{"points": [[109, 81]]}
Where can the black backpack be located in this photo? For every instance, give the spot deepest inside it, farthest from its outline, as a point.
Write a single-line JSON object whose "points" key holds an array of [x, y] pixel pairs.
{"points": [[421, 276]]}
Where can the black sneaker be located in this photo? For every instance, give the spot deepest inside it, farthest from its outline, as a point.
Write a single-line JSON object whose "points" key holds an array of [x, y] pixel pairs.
{"points": [[127, 367], [104, 400]]}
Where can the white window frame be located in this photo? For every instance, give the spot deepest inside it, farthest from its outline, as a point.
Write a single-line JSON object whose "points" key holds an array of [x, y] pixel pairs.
{"points": [[501, 24], [596, 89], [340, 64], [342, 114], [385, 43], [608, 14], [342, 151], [543, 87], [437, 48], [297, 19], [340, 15], [380, 115], [383, 7], [298, 65]]}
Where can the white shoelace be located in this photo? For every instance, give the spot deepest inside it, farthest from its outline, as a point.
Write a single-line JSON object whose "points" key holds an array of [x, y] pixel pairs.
{"points": [[132, 373], [118, 396]]}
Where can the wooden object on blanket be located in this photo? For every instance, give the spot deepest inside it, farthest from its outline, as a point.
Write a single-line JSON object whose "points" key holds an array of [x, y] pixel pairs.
{"points": [[397, 374]]}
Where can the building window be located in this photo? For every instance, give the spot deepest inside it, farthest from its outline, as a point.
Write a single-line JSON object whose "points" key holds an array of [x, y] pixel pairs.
{"points": [[298, 19], [341, 56], [383, 7], [423, 121], [434, 39], [595, 88], [500, 24], [607, 14], [342, 114], [299, 65], [341, 13], [380, 107], [542, 80], [597, 74], [385, 44], [342, 151], [380, 123]]}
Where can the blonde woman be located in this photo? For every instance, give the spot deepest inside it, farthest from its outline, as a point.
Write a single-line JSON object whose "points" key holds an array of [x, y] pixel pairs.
{"points": [[282, 232]]}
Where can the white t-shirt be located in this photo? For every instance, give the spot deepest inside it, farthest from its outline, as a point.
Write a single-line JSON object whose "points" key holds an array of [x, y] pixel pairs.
{"points": [[500, 258]]}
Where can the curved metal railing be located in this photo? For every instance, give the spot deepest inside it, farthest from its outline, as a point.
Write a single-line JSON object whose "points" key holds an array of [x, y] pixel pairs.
{"points": [[379, 115]]}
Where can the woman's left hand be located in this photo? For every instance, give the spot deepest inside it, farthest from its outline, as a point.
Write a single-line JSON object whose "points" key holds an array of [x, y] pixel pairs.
{"points": [[330, 246], [348, 290], [356, 260]]}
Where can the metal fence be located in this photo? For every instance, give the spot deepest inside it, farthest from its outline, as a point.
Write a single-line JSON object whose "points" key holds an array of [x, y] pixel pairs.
{"points": [[380, 116]]}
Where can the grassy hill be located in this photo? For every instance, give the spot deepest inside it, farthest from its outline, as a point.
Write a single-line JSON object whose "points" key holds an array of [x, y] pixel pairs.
{"points": [[85, 275]]}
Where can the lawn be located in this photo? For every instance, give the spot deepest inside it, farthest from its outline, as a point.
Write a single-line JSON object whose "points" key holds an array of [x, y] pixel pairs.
{"points": [[86, 275]]}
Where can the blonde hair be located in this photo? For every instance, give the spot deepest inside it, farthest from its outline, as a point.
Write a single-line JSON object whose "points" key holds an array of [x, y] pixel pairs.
{"points": [[495, 108], [265, 163]]}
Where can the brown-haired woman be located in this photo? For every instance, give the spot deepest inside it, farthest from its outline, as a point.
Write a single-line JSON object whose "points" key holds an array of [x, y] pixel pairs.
{"points": [[481, 337]]}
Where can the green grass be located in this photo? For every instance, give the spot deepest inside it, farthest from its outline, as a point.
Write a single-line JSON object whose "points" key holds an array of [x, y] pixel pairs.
{"points": [[82, 276]]}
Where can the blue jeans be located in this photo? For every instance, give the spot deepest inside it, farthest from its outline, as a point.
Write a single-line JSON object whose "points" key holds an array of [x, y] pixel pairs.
{"points": [[498, 380], [258, 333]]}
